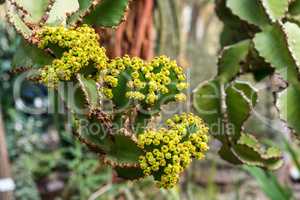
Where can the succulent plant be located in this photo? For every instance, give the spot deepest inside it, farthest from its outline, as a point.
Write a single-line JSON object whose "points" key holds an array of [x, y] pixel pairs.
{"points": [[113, 101], [260, 37]]}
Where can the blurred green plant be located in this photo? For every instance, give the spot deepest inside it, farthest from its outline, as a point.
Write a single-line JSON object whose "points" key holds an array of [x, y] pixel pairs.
{"points": [[259, 37], [269, 184], [17, 124], [87, 174], [26, 188]]}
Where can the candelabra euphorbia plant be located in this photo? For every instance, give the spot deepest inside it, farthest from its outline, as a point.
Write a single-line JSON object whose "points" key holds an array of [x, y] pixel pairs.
{"points": [[114, 102], [261, 38], [117, 99]]}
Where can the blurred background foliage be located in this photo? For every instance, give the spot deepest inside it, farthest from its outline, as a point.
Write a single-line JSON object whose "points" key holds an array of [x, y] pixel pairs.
{"points": [[47, 163]]}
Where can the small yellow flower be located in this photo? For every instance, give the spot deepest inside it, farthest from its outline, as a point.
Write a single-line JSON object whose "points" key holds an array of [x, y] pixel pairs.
{"points": [[180, 97], [162, 162], [164, 149], [166, 139], [147, 171], [149, 155], [143, 165], [182, 86], [135, 75], [156, 152], [156, 142], [151, 98], [168, 155], [107, 92]]}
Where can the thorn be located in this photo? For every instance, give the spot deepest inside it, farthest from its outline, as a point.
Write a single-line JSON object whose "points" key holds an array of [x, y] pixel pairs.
{"points": [[18, 70], [45, 17]]}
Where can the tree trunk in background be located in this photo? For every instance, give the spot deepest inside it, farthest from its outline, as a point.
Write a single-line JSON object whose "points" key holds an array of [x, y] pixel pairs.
{"points": [[4, 161], [135, 36]]}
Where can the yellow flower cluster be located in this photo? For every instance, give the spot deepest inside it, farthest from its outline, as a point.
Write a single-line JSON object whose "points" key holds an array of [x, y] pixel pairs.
{"points": [[147, 82], [82, 49], [168, 151]]}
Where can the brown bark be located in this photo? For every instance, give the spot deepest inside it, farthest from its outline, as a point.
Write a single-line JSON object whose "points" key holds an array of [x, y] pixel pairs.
{"points": [[5, 171], [148, 46], [143, 19], [135, 35]]}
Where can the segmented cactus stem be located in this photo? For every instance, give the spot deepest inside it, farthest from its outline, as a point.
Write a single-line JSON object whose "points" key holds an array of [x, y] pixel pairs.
{"points": [[23, 12], [114, 164], [20, 70], [17, 21], [103, 118], [87, 12], [46, 15], [125, 14]]}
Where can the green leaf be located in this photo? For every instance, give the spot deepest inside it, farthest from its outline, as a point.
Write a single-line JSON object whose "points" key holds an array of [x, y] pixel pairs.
{"points": [[60, 11], [249, 92], [230, 60], [28, 55], [250, 11], [124, 150], [207, 102], [73, 97], [119, 149], [275, 9], [269, 184], [272, 46], [140, 121], [35, 9], [108, 13], [93, 132], [84, 7], [288, 103], [250, 152], [230, 20], [230, 36], [129, 173], [295, 8], [90, 91], [119, 92], [293, 38], [240, 99], [226, 154]]}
